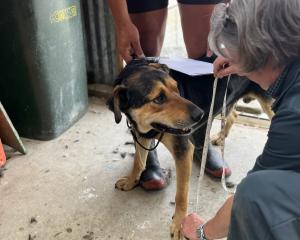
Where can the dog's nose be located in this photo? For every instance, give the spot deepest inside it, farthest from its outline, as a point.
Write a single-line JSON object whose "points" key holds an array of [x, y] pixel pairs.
{"points": [[196, 113]]}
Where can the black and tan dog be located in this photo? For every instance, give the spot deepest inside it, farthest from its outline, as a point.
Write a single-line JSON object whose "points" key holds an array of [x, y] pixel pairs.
{"points": [[150, 99]]}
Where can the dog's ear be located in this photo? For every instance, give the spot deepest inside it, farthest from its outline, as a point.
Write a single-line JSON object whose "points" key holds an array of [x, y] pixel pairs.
{"points": [[159, 66], [117, 102]]}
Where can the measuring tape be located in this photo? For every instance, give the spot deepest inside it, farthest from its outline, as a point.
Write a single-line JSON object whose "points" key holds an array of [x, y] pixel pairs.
{"points": [[207, 139]]}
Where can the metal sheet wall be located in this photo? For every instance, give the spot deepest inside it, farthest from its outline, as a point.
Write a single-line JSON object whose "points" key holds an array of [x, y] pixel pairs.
{"points": [[100, 41]]}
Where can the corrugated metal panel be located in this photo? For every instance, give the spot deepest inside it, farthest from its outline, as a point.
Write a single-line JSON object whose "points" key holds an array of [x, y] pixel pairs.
{"points": [[102, 58]]}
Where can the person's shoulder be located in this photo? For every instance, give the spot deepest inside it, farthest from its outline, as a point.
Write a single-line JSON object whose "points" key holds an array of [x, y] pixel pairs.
{"points": [[294, 71], [289, 99]]}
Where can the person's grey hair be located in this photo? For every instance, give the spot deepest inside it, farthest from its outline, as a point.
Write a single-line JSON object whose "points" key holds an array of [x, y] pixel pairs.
{"points": [[256, 31]]}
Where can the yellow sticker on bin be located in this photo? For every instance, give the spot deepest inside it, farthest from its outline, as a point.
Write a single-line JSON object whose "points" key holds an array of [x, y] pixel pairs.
{"points": [[63, 14]]}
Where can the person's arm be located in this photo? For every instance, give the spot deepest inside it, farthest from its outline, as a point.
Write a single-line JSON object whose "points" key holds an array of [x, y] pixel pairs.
{"points": [[127, 34], [218, 226], [215, 228], [119, 11]]}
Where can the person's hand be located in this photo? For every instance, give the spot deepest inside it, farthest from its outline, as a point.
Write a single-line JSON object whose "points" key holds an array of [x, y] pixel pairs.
{"points": [[129, 42], [189, 226], [224, 67]]}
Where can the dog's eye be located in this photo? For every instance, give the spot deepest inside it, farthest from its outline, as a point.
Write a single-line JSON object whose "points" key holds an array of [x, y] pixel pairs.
{"points": [[160, 99]]}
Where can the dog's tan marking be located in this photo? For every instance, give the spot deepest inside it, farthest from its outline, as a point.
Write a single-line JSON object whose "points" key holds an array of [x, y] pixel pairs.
{"points": [[183, 173], [134, 77], [172, 85], [265, 104], [230, 119], [174, 112], [159, 66], [129, 182]]}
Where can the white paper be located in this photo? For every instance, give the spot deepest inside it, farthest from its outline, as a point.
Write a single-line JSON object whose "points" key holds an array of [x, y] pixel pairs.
{"points": [[188, 66]]}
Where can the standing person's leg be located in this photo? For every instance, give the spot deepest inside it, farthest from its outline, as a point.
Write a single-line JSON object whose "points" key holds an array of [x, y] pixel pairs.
{"points": [[267, 207], [195, 19], [150, 17]]}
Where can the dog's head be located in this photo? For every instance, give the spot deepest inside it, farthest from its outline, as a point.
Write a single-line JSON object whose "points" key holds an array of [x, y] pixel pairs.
{"points": [[149, 97]]}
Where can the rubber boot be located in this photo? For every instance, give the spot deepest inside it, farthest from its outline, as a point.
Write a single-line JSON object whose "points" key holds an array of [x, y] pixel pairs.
{"points": [[153, 177], [214, 162]]}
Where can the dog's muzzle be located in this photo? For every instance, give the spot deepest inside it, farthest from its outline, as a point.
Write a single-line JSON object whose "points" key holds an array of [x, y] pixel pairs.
{"points": [[175, 131], [196, 114]]}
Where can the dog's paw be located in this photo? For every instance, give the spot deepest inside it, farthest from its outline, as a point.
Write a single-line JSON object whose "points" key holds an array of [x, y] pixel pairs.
{"points": [[216, 139], [175, 230], [126, 183]]}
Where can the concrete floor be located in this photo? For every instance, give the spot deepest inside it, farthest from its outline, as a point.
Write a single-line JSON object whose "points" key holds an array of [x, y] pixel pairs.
{"points": [[64, 189]]}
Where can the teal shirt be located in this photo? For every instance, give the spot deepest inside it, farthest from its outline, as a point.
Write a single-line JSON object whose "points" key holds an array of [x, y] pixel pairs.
{"points": [[282, 150]]}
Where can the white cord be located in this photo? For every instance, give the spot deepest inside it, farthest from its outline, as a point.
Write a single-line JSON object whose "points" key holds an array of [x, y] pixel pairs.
{"points": [[206, 142], [223, 123], [207, 139]]}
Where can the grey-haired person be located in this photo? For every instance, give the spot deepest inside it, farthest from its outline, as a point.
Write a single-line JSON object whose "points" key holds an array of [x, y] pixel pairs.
{"points": [[260, 39]]}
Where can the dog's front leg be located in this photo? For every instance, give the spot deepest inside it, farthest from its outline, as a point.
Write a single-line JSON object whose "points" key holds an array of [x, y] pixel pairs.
{"points": [[129, 182], [182, 150]]}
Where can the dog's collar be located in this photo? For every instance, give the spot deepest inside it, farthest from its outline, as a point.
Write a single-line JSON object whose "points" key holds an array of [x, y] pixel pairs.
{"points": [[131, 124], [150, 134]]}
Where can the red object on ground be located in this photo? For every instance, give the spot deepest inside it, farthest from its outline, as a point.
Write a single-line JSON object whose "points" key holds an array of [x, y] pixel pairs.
{"points": [[2, 155]]}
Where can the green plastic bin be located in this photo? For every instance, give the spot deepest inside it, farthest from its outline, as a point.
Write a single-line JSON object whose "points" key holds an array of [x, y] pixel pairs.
{"points": [[43, 84]]}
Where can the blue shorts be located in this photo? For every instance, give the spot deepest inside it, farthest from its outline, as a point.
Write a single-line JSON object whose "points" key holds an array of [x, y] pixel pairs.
{"points": [[140, 6]]}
